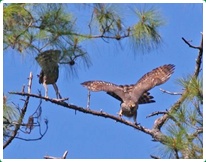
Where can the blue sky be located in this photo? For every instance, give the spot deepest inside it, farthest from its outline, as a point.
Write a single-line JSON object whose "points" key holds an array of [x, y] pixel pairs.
{"points": [[88, 136]]}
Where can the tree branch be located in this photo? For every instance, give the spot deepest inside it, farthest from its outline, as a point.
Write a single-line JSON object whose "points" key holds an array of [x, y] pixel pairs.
{"points": [[21, 117], [51, 157], [171, 93], [160, 121], [155, 133], [156, 113], [199, 59], [85, 110], [187, 42], [154, 157], [32, 139]]}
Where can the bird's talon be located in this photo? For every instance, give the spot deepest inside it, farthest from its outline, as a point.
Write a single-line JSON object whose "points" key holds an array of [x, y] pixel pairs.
{"points": [[135, 123]]}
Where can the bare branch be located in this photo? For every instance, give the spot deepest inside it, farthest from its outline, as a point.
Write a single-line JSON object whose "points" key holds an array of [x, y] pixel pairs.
{"points": [[65, 155], [88, 99], [51, 157], [84, 110], [176, 153], [32, 121], [171, 93], [156, 113], [187, 42], [23, 89], [30, 82], [199, 59], [155, 133], [155, 157], [17, 127], [32, 139]]}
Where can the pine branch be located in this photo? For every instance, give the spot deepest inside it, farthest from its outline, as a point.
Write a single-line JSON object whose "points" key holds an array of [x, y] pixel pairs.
{"points": [[160, 121]]}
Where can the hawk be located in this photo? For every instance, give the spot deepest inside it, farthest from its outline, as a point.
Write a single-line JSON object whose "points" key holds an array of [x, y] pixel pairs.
{"points": [[48, 60], [132, 95]]}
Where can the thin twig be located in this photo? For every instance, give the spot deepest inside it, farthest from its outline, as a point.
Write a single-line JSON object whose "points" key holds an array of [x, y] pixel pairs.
{"points": [[20, 120], [31, 139], [195, 47], [176, 153], [199, 59], [156, 113], [52, 157], [65, 155], [23, 89], [155, 157], [30, 82], [88, 99], [171, 93]]}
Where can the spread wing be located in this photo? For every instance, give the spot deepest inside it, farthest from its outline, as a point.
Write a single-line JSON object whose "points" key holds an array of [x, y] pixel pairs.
{"points": [[154, 78], [98, 85]]}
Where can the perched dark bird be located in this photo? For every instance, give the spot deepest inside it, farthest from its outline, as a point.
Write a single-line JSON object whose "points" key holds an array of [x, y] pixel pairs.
{"points": [[48, 60], [132, 95]]}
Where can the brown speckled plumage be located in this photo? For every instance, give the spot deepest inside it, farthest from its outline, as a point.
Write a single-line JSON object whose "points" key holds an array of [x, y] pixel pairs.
{"points": [[134, 94]]}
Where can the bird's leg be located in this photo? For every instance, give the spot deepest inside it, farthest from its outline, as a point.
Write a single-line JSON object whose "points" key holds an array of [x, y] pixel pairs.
{"points": [[57, 91], [135, 118], [46, 89], [88, 99], [120, 113]]}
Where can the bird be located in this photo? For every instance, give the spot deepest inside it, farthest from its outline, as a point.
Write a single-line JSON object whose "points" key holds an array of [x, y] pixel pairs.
{"points": [[133, 95], [48, 61]]}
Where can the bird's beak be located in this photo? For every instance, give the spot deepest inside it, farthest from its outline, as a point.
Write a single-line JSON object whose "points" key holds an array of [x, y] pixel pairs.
{"points": [[132, 105]]}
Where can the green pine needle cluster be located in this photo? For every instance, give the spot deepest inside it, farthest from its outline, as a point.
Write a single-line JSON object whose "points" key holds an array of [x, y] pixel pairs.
{"points": [[108, 19], [194, 87], [145, 32]]}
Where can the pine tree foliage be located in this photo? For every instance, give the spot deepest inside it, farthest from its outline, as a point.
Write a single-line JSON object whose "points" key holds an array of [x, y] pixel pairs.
{"points": [[35, 28], [10, 115], [145, 31], [194, 87], [184, 130]]}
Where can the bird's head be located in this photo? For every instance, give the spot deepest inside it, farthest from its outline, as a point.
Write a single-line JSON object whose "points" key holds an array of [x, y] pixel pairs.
{"points": [[130, 105], [128, 109]]}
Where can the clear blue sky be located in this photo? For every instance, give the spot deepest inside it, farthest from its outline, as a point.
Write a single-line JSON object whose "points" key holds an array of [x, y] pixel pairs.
{"points": [[88, 136]]}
